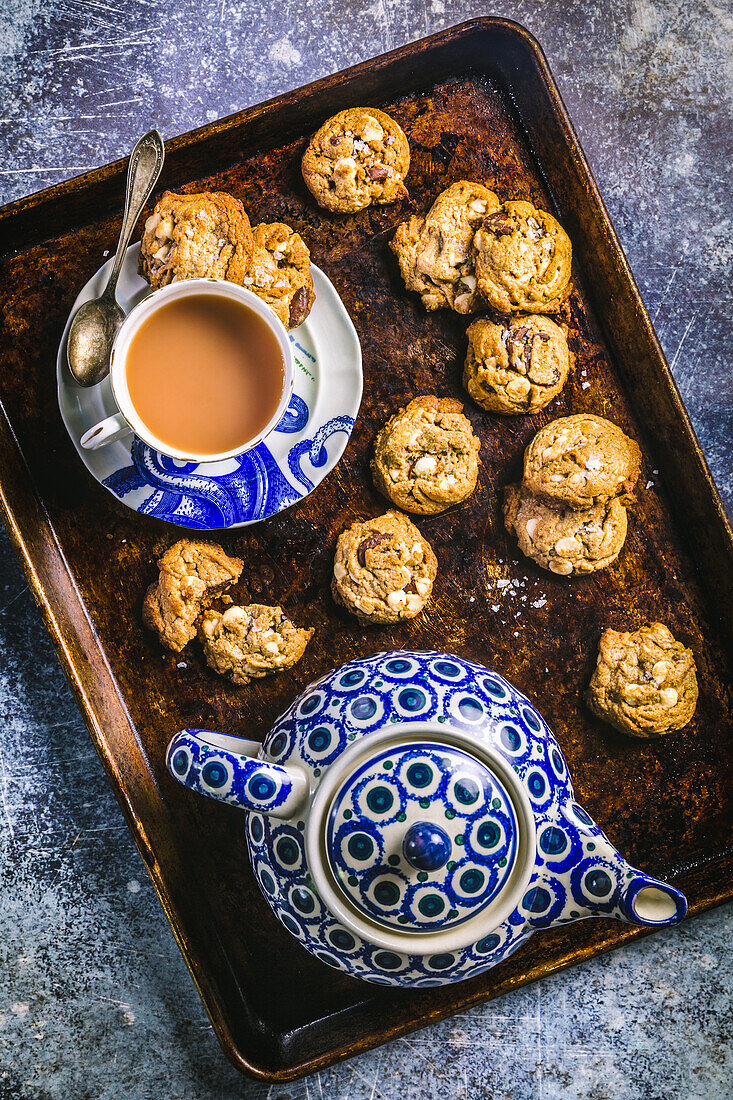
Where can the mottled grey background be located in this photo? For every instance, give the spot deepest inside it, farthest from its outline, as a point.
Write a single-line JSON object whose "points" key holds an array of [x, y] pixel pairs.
{"points": [[95, 1001]]}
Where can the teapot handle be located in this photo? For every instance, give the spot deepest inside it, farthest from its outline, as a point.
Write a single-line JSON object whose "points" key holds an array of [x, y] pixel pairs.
{"points": [[227, 768]]}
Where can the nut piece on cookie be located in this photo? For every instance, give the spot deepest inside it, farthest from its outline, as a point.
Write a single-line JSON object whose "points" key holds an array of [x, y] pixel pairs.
{"points": [[358, 157], [562, 540], [580, 461], [196, 237], [523, 258], [384, 569], [426, 456], [246, 643], [280, 272], [515, 367], [435, 251], [191, 575], [645, 682]]}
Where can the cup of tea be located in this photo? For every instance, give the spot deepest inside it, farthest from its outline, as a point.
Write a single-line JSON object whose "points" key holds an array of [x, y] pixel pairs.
{"points": [[201, 370]]}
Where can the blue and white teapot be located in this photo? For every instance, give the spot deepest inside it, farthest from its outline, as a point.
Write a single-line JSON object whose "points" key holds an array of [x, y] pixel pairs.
{"points": [[411, 820]]}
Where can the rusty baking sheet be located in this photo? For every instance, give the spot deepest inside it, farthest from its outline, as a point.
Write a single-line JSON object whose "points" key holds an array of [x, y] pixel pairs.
{"points": [[478, 102]]}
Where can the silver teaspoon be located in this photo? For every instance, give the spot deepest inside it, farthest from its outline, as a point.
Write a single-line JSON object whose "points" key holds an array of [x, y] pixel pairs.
{"points": [[95, 323]]}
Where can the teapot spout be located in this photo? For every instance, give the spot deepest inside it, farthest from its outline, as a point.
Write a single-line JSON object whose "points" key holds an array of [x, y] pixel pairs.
{"points": [[230, 770], [646, 900], [603, 884]]}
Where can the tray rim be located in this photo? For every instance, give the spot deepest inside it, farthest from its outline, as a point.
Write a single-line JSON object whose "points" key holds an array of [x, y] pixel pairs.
{"points": [[36, 543]]}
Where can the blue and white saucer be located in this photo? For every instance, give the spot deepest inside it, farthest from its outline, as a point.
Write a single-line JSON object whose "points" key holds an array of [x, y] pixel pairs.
{"points": [[303, 449]]}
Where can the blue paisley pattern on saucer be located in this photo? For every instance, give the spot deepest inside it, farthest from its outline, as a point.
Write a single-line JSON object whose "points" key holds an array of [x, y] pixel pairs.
{"points": [[194, 495]]}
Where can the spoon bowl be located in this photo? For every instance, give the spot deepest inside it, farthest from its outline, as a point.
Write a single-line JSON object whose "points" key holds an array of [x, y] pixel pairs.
{"points": [[90, 339]]}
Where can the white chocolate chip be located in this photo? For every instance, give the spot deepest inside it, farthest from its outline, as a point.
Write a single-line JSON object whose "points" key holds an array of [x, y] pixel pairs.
{"points": [[339, 571], [418, 550], [426, 465], [271, 647], [479, 205], [578, 481], [518, 388], [423, 586], [152, 223], [531, 527], [413, 602], [661, 670], [161, 253], [396, 600], [561, 567], [164, 230], [469, 281], [247, 280], [669, 697], [372, 131], [235, 616], [567, 546], [220, 243], [593, 464]]}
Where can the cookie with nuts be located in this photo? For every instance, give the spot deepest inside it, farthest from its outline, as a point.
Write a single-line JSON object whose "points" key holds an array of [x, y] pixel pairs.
{"points": [[358, 157], [563, 540], [426, 456], [435, 251], [581, 460], [517, 366], [190, 575], [645, 681], [523, 259], [280, 272], [201, 236], [384, 569], [247, 643]]}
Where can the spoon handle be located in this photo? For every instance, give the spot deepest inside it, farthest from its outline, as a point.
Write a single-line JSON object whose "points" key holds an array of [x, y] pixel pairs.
{"points": [[146, 163]]}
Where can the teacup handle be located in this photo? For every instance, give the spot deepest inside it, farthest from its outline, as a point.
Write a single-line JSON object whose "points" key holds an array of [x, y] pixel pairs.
{"points": [[106, 431]]}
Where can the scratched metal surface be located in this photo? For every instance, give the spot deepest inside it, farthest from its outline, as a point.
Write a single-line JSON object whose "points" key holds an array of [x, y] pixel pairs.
{"points": [[94, 998]]}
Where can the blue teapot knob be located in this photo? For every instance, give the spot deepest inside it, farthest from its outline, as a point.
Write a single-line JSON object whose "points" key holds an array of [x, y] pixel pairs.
{"points": [[426, 846]]}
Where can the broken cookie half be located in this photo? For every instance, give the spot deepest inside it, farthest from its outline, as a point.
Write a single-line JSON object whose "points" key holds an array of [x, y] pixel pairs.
{"points": [[246, 643], [191, 575]]}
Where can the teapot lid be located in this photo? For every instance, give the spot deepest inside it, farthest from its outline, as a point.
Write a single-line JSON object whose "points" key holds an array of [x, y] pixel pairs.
{"points": [[422, 836]]}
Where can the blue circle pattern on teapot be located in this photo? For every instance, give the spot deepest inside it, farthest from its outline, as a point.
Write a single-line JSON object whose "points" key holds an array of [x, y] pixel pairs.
{"points": [[576, 868]]}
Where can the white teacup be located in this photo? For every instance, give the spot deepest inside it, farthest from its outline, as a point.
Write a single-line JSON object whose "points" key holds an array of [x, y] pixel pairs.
{"points": [[128, 422]]}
